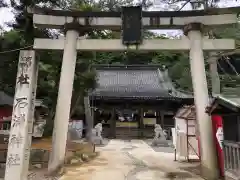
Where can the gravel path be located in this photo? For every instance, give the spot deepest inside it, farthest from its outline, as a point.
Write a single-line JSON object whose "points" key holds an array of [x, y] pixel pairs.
{"points": [[129, 160], [126, 160]]}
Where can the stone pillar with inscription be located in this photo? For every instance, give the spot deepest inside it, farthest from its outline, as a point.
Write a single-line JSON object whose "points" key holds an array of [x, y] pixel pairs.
{"points": [[61, 119], [201, 99], [22, 117]]}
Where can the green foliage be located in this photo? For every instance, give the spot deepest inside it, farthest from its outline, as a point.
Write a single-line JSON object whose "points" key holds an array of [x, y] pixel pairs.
{"points": [[2, 4], [9, 61], [195, 4]]}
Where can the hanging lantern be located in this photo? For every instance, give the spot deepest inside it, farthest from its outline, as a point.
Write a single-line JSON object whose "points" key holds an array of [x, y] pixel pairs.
{"points": [[132, 25]]}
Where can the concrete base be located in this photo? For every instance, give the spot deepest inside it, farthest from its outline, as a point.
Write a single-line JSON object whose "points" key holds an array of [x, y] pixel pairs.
{"points": [[97, 140], [207, 173], [160, 142]]}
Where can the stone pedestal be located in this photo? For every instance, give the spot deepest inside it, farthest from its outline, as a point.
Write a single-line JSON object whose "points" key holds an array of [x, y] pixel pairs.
{"points": [[96, 137], [97, 140], [159, 139], [160, 142]]}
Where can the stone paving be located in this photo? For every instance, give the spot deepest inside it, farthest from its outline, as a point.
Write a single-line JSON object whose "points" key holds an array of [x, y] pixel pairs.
{"points": [[129, 160], [126, 160]]}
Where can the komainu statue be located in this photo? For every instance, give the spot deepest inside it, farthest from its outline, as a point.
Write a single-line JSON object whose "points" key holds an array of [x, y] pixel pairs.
{"points": [[97, 134], [160, 136]]}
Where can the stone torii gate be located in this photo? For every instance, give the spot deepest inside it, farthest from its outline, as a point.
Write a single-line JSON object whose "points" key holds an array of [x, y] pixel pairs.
{"points": [[75, 23]]}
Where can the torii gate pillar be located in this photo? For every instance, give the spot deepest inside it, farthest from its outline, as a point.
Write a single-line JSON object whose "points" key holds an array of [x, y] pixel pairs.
{"points": [[201, 98], [61, 119]]}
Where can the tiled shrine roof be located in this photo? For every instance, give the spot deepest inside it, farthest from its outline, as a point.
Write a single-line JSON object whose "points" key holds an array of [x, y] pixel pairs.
{"points": [[186, 112], [228, 102], [8, 100], [5, 99], [134, 82]]}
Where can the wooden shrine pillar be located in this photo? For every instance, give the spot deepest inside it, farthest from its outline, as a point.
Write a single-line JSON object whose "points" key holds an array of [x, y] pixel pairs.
{"points": [[141, 123], [113, 124], [160, 118]]}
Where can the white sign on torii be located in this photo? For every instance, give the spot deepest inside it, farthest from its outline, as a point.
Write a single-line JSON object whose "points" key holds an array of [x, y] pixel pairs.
{"points": [[191, 22], [219, 136]]}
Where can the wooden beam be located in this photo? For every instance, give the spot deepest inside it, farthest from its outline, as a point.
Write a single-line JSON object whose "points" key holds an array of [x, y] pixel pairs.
{"points": [[78, 13], [148, 45], [50, 18], [151, 22]]}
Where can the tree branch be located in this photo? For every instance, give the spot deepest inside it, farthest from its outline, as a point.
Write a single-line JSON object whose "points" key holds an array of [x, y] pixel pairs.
{"points": [[230, 64], [184, 5], [173, 2], [3, 4]]}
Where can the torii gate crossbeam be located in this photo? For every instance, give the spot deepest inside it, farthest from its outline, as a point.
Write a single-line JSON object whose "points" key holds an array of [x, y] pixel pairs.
{"points": [[148, 45]]}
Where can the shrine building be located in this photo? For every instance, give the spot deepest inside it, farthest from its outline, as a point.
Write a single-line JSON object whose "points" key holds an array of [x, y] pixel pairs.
{"points": [[130, 99]]}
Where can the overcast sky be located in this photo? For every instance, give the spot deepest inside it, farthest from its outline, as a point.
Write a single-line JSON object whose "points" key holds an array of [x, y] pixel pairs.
{"points": [[6, 14]]}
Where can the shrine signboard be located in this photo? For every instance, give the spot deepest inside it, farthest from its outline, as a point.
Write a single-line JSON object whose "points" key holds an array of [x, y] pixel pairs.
{"points": [[219, 136]]}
